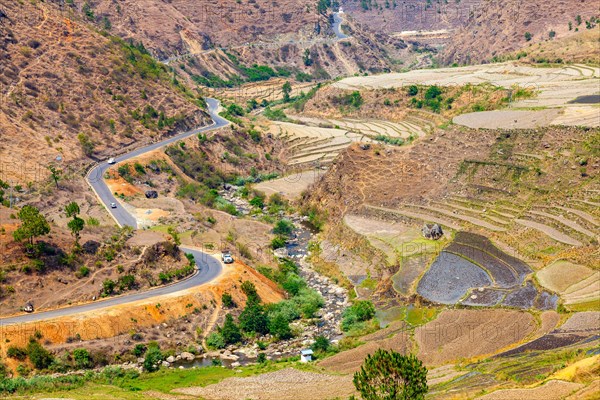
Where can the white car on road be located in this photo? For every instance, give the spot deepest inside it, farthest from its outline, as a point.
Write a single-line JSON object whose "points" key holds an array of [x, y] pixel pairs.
{"points": [[111, 160], [113, 205], [227, 257]]}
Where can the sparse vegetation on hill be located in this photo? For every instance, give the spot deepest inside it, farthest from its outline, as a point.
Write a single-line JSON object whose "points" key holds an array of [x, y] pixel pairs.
{"points": [[111, 92], [49, 254], [525, 25], [448, 213]]}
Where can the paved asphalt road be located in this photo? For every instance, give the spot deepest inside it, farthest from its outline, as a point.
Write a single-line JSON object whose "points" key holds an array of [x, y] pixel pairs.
{"points": [[208, 266], [95, 176], [337, 26]]}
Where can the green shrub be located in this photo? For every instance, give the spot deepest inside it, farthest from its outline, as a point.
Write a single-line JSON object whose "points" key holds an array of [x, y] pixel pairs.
{"points": [[254, 319], [152, 358], [126, 282], [280, 327], [258, 202], [83, 271], [138, 350], [275, 114], [262, 358], [413, 90], [82, 358], [309, 301], [215, 341], [278, 242], [250, 291], [18, 353], [93, 221], [86, 144], [230, 331], [293, 284], [108, 287], [321, 344], [283, 227], [227, 300], [360, 311], [38, 355], [287, 308]]}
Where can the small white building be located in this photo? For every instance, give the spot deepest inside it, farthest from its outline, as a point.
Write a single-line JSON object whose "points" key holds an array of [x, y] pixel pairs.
{"points": [[306, 355]]}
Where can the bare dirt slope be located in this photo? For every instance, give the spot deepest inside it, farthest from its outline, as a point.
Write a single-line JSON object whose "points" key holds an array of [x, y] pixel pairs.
{"points": [[497, 28], [179, 26], [275, 33], [281, 385], [419, 15]]}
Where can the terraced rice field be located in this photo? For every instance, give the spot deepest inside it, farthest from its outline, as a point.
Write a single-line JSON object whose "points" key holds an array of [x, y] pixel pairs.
{"points": [[502, 274], [552, 390], [292, 185], [351, 360], [580, 328], [556, 92], [450, 277], [457, 334], [472, 271], [310, 145], [443, 374], [549, 231], [575, 283], [522, 297], [393, 238], [372, 128], [587, 290], [573, 225], [484, 297], [483, 243], [408, 273]]}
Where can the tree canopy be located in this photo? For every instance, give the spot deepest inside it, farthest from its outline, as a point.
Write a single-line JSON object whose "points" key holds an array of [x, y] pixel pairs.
{"points": [[33, 224], [77, 224], [388, 375]]}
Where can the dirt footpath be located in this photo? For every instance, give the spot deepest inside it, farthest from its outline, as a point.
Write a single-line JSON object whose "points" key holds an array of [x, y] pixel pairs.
{"points": [[287, 384]]}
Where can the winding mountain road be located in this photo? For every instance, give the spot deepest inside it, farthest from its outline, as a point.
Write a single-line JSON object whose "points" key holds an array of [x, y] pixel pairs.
{"points": [[95, 177], [337, 25], [208, 267]]}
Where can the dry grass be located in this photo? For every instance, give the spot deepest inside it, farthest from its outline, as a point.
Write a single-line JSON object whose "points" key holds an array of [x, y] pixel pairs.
{"points": [[464, 334], [552, 390], [287, 384]]}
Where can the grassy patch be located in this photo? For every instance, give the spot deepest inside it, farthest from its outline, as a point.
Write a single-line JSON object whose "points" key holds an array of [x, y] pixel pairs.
{"points": [[165, 229], [421, 315], [369, 283], [592, 305], [130, 386]]}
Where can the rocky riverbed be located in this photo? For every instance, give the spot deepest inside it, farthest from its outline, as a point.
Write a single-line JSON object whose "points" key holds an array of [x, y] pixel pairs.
{"points": [[328, 318]]}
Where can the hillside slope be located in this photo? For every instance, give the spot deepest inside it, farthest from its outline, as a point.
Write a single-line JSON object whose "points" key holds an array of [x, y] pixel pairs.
{"points": [[180, 26], [497, 28], [67, 90], [202, 35]]}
